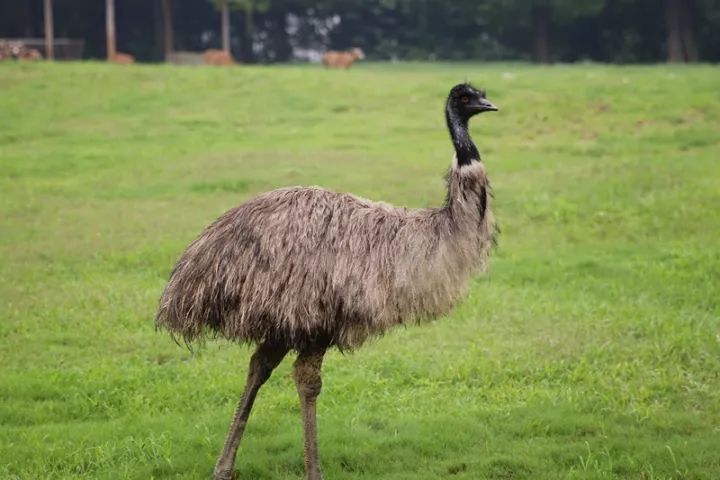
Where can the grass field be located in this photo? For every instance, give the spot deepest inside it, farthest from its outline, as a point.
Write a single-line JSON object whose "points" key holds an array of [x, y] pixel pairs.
{"points": [[591, 351]]}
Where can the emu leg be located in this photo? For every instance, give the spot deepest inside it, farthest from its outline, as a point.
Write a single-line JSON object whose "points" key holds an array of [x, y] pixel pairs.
{"points": [[309, 383], [262, 363]]}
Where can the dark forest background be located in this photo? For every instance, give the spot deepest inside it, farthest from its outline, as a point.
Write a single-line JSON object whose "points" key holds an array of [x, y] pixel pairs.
{"points": [[621, 31]]}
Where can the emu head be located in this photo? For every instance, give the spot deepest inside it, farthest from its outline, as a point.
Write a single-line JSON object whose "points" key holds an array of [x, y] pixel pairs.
{"points": [[465, 101]]}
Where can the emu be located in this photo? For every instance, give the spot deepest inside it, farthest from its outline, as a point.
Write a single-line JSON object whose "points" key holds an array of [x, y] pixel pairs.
{"points": [[335, 59], [306, 269]]}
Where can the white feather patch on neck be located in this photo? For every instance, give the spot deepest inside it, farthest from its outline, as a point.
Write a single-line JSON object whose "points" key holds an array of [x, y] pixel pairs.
{"points": [[471, 165]]}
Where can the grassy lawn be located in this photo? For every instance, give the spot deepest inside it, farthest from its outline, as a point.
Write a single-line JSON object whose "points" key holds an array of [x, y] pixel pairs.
{"points": [[591, 351]]}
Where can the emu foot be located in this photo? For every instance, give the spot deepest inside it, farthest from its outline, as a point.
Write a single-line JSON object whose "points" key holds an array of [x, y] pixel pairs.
{"points": [[225, 474], [314, 475]]}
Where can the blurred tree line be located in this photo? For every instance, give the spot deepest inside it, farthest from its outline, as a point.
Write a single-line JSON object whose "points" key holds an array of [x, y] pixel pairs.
{"points": [[280, 30]]}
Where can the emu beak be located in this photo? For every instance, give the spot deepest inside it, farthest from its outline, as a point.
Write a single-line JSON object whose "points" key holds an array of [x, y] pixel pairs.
{"points": [[486, 106], [482, 105]]}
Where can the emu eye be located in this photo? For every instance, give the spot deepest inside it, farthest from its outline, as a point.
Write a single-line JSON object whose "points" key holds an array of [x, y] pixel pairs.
{"points": [[464, 99]]}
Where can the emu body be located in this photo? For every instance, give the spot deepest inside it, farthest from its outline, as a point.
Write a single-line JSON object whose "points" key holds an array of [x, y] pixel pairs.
{"points": [[307, 269], [300, 266]]}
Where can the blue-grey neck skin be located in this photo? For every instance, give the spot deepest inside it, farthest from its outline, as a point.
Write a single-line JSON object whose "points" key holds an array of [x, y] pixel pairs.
{"points": [[465, 150]]}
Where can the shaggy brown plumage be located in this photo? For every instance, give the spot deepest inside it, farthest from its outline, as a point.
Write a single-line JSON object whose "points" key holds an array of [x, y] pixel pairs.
{"points": [[302, 265]]}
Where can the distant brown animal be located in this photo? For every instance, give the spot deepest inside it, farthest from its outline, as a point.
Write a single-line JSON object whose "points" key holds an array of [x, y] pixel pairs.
{"points": [[122, 59], [335, 59], [18, 51], [30, 55], [10, 50], [307, 269], [217, 57]]}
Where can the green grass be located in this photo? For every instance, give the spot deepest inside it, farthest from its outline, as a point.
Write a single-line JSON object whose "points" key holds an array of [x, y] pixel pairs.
{"points": [[591, 351]]}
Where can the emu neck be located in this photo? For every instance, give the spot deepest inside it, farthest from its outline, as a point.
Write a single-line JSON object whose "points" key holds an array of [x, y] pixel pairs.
{"points": [[465, 150]]}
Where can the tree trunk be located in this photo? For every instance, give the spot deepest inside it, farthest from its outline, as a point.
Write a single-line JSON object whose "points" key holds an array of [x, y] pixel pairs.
{"points": [[681, 45], [279, 40], [674, 39], [541, 25], [687, 31], [247, 36], [167, 28], [49, 35], [225, 20], [110, 28], [158, 46]]}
